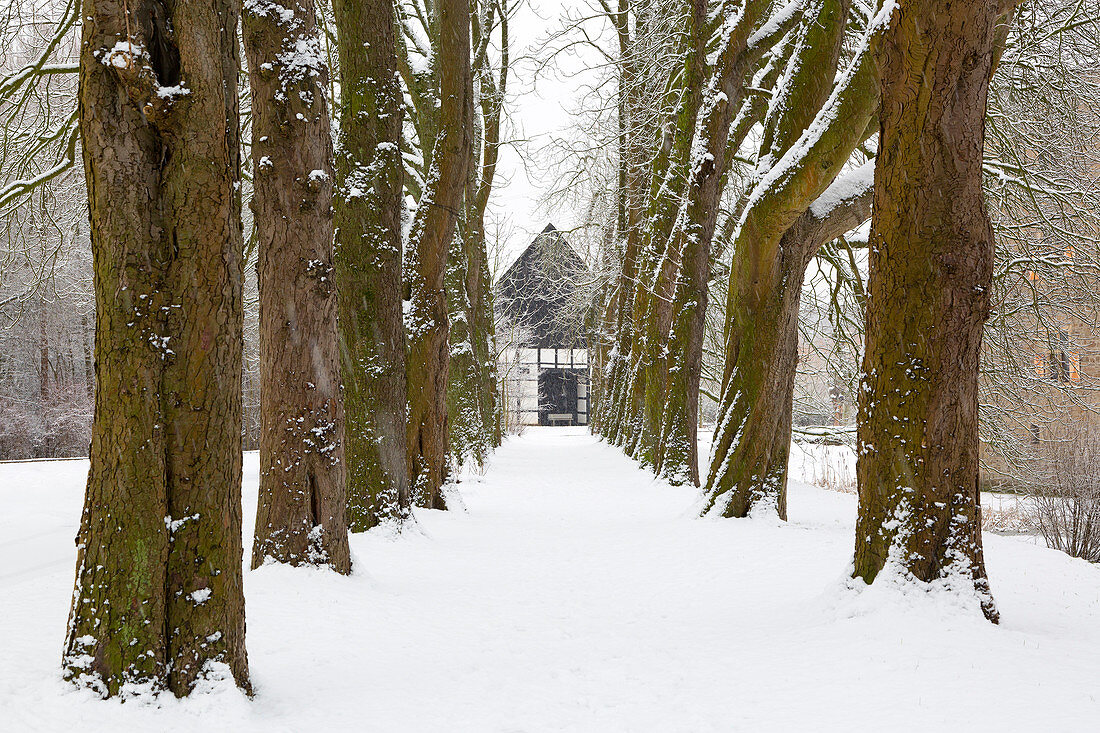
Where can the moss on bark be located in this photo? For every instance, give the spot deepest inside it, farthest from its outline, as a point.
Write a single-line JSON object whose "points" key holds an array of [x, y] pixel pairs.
{"points": [[369, 208], [300, 518], [158, 601], [931, 268]]}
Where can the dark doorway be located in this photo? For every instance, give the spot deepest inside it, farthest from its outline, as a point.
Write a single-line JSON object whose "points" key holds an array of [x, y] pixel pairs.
{"points": [[557, 397]]}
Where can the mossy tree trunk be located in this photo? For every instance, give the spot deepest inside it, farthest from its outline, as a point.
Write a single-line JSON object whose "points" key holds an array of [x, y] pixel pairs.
{"points": [[369, 209], [433, 228], [652, 368], [479, 278], [762, 397], [158, 601], [678, 451], [930, 273], [466, 438], [471, 388], [678, 457], [637, 137], [607, 330], [678, 205], [658, 260], [301, 513], [637, 391], [777, 236]]}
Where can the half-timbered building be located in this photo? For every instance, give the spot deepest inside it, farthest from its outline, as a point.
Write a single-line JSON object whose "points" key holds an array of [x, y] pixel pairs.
{"points": [[540, 305]]}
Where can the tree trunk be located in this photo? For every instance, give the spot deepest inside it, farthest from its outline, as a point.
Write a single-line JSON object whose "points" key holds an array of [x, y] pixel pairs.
{"points": [[777, 235], [85, 342], [658, 322], [45, 449], [479, 278], [433, 228], [484, 338], [609, 331], [762, 387], [931, 270], [158, 602], [678, 460], [760, 396], [672, 400], [467, 438], [368, 215], [471, 384], [639, 364], [632, 180], [300, 517]]}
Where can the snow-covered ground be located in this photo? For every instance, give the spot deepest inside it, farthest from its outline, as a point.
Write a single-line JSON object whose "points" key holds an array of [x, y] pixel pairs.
{"points": [[577, 593]]}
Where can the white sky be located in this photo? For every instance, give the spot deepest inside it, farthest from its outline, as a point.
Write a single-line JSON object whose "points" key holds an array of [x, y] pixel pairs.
{"points": [[535, 113]]}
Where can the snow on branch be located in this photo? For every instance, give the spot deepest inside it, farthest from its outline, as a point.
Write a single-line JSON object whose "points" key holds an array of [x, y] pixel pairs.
{"points": [[23, 186], [848, 186]]}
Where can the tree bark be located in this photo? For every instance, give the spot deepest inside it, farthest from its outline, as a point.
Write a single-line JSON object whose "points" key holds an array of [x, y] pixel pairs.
{"points": [[637, 397], [479, 278], [433, 228], [761, 390], [632, 173], [674, 350], [654, 366], [301, 517], [369, 209], [931, 270], [158, 600], [86, 336], [678, 452], [748, 458], [471, 384]]}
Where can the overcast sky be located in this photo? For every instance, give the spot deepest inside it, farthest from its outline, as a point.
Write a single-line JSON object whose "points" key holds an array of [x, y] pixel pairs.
{"points": [[536, 112]]}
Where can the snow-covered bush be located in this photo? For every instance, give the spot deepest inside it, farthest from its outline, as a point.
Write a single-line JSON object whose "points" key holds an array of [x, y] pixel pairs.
{"points": [[1066, 484]]}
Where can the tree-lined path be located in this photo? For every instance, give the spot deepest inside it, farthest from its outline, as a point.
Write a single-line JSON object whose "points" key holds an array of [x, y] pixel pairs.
{"points": [[575, 592]]}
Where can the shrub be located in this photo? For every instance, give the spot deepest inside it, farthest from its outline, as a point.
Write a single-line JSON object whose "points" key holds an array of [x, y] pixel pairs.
{"points": [[1065, 481]]}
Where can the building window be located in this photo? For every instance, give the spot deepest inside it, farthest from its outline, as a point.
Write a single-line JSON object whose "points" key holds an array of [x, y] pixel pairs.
{"points": [[1040, 366], [1064, 363], [1061, 364], [1058, 366]]}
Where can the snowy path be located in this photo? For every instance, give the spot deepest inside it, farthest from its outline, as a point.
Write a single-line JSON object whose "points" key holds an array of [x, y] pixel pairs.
{"points": [[576, 593]]}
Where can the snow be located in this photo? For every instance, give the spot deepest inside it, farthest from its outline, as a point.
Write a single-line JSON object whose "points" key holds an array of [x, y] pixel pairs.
{"points": [[849, 185], [264, 8], [303, 58], [577, 593], [200, 596], [773, 23], [173, 92], [772, 176], [121, 55]]}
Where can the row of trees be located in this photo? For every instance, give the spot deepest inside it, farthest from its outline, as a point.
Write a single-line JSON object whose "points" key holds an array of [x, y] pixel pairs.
{"points": [[376, 369], [750, 135], [1039, 173], [750, 138]]}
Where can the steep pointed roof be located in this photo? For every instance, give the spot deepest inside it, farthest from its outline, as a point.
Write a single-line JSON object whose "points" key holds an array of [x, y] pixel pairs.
{"points": [[541, 291]]}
